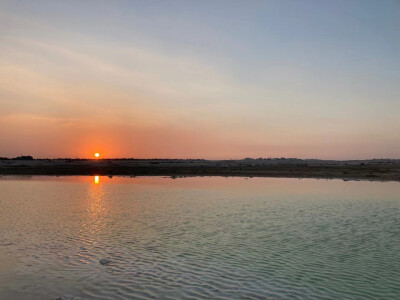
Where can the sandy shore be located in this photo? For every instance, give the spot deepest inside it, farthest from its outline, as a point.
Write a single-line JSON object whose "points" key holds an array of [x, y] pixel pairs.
{"points": [[379, 169]]}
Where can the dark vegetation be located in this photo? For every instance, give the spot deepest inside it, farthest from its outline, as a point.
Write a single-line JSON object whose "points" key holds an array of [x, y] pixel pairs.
{"points": [[375, 169], [23, 157]]}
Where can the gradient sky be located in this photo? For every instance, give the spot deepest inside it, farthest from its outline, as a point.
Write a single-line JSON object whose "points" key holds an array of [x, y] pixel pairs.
{"points": [[207, 79]]}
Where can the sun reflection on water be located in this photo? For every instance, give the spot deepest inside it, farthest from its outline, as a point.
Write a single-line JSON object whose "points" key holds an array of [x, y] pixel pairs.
{"points": [[96, 211]]}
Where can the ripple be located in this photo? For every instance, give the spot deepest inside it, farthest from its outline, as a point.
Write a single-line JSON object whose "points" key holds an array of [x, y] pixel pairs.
{"points": [[185, 242]]}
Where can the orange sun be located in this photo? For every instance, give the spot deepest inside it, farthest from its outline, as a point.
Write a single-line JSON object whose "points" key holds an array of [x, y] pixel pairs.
{"points": [[97, 155]]}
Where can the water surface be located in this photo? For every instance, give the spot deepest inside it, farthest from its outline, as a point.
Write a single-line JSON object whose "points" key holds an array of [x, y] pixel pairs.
{"points": [[214, 237]]}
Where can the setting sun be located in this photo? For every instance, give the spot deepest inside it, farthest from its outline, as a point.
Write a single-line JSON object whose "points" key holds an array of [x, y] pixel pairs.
{"points": [[97, 154]]}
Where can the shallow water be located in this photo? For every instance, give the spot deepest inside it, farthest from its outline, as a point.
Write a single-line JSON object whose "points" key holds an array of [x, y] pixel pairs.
{"points": [[211, 237]]}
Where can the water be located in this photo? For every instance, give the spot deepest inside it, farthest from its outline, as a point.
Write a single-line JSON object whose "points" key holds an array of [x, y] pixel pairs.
{"points": [[234, 238]]}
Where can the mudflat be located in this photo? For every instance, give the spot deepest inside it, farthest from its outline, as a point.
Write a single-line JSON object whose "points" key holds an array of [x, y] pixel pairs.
{"points": [[376, 169]]}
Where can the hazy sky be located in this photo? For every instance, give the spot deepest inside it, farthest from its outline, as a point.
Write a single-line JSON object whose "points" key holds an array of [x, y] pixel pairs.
{"points": [[209, 79]]}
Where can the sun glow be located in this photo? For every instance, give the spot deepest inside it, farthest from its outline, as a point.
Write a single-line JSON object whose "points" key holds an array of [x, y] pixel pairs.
{"points": [[97, 155], [96, 179]]}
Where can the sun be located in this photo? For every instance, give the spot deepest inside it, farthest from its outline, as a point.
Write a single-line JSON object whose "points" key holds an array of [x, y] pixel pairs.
{"points": [[97, 155]]}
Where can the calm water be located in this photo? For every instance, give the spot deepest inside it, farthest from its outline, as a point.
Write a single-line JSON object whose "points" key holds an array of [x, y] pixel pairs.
{"points": [[198, 238]]}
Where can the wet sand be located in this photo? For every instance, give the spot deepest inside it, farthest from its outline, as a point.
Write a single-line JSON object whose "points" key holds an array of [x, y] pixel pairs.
{"points": [[377, 170]]}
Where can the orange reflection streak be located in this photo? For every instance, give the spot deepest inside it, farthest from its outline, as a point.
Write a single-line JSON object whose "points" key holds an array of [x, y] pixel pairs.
{"points": [[96, 211]]}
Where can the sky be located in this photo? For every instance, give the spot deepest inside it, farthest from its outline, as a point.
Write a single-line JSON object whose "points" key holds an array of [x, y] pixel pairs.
{"points": [[200, 79]]}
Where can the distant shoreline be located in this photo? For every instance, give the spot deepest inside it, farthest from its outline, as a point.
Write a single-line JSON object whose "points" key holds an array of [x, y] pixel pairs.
{"points": [[373, 170]]}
